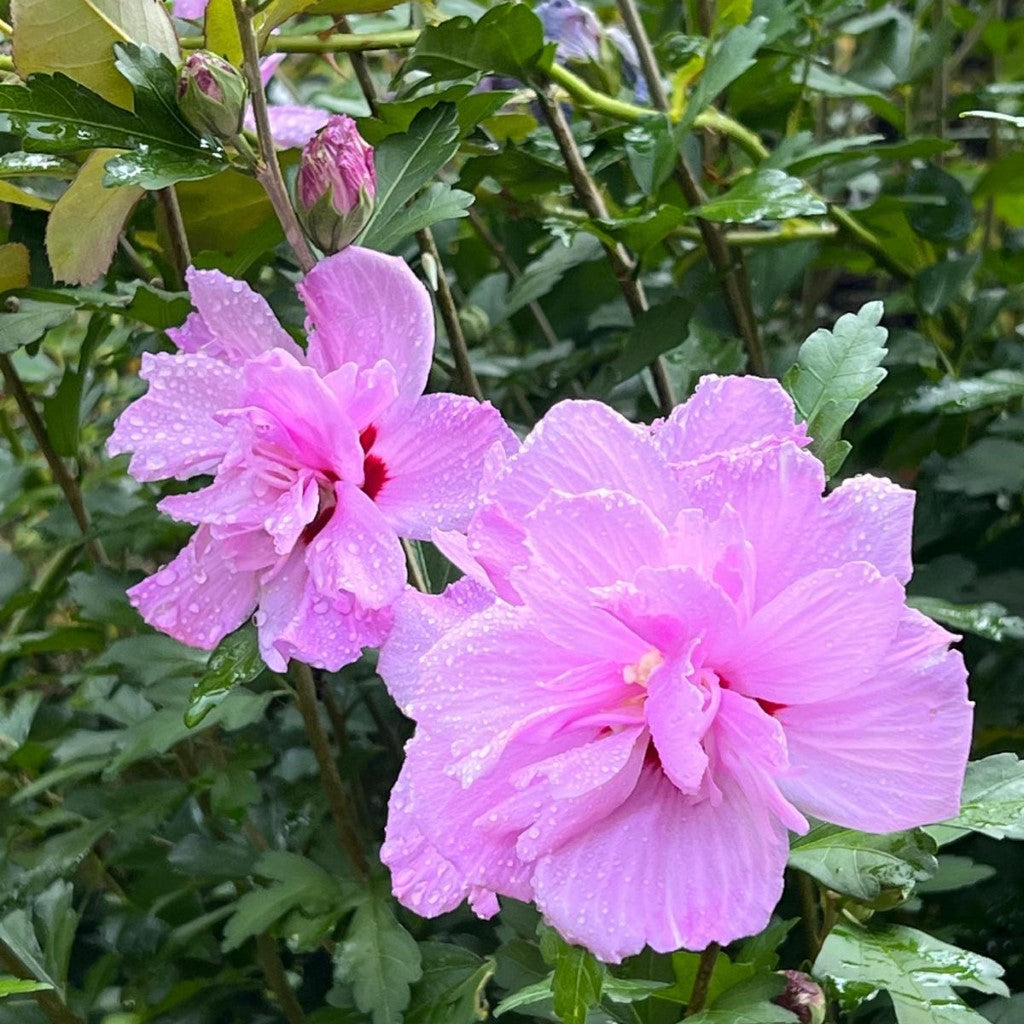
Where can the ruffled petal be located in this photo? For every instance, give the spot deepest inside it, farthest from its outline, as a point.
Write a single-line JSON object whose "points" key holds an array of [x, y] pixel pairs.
{"points": [[199, 597], [663, 871], [365, 306], [821, 637], [295, 620], [433, 455], [726, 413], [237, 322], [171, 429], [892, 755], [679, 712], [358, 552]]}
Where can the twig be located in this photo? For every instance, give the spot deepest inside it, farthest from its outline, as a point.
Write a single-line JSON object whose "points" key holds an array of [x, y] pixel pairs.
{"points": [[514, 272], [361, 70], [450, 315], [47, 1000], [337, 798], [267, 169], [67, 483], [337, 43], [180, 252], [705, 969], [273, 970], [729, 266], [619, 259], [810, 913]]}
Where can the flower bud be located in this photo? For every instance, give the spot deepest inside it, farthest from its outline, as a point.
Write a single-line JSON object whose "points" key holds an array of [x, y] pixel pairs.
{"points": [[802, 996], [212, 95], [337, 184]]}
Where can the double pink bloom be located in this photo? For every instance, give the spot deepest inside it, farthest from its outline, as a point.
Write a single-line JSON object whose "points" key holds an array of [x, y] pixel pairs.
{"points": [[668, 649], [321, 459]]}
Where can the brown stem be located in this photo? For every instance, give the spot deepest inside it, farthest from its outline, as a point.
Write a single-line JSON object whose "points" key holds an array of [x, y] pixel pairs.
{"points": [[810, 913], [180, 252], [728, 265], [67, 483], [705, 969], [621, 263], [47, 1000], [273, 970], [267, 169], [337, 798], [450, 315]]}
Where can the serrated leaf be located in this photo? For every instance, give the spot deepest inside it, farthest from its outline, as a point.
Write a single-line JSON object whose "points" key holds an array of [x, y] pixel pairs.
{"points": [[992, 801], [30, 322], [640, 232], [378, 958], [82, 231], [861, 865], [834, 372], [507, 40], [764, 195], [236, 660], [77, 37], [451, 989], [540, 276], [968, 395], [405, 163], [918, 971], [438, 202], [729, 59], [652, 152]]}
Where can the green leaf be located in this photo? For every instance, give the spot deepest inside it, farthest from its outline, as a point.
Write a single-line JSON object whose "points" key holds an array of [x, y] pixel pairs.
{"points": [[834, 372], [298, 883], [918, 971], [17, 986], [992, 465], [864, 866], [728, 60], [18, 934], [236, 660], [528, 996], [992, 801], [16, 719], [938, 206], [577, 983], [405, 163], [968, 395], [13, 165], [764, 195], [77, 37], [990, 620], [652, 152], [507, 40], [30, 322], [451, 990], [83, 229], [378, 958], [640, 232], [755, 1012], [438, 202], [540, 276], [937, 286]]}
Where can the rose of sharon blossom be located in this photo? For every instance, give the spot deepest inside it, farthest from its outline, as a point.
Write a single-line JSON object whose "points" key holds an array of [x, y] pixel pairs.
{"points": [[668, 649], [321, 460], [573, 27]]}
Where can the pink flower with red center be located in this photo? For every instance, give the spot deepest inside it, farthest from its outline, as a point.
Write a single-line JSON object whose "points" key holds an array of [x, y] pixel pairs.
{"points": [[321, 460], [668, 649]]}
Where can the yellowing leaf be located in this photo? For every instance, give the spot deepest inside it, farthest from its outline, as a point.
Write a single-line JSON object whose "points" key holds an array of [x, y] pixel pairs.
{"points": [[82, 231], [77, 38], [19, 197], [13, 266], [734, 12], [222, 31], [218, 211]]}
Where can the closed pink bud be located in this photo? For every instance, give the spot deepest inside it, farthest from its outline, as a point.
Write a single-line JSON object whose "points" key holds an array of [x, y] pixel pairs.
{"points": [[337, 184], [802, 996]]}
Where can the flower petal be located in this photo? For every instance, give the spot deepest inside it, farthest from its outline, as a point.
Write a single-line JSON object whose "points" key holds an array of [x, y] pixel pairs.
{"points": [[239, 323], [726, 413], [295, 620], [198, 598], [357, 551], [434, 456], [821, 637], [171, 429], [663, 871], [365, 306], [891, 755]]}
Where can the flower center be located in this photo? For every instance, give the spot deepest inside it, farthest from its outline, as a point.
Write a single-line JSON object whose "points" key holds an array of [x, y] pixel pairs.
{"points": [[641, 671], [375, 473]]}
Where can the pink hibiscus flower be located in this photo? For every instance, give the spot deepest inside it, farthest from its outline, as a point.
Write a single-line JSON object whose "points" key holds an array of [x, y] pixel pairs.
{"points": [[321, 459], [668, 649]]}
